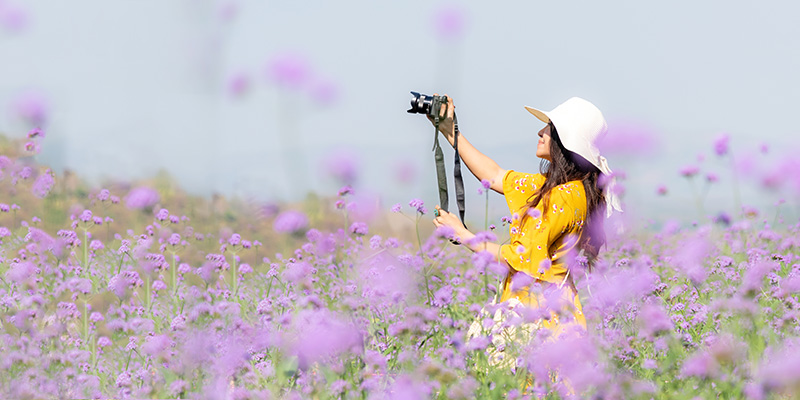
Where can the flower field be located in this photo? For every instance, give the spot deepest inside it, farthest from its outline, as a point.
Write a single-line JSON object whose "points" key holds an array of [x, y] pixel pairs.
{"points": [[141, 291]]}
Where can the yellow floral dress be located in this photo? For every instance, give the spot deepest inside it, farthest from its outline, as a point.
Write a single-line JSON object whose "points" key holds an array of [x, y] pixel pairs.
{"points": [[538, 235]]}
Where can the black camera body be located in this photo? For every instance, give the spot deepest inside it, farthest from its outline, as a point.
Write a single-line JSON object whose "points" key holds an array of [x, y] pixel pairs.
{"points": [[424, 104]]}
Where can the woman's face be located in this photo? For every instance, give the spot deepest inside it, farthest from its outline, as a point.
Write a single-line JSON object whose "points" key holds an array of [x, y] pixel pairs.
{"points": [[543, 148]]}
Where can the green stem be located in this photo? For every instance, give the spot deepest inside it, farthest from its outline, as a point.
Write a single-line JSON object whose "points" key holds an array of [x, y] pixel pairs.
{"points": [[147, 292], [419, 241], [269, 287], [428, 289], [235, 282], [174, 275], [85, 250], [85, 323], [486, 214]]}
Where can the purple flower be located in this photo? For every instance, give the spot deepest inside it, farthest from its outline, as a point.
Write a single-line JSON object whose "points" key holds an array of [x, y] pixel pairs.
{"points": [[700, 364], [359, 228], [396, 208], [316, 334], [653, 320], [721, 144], [486, 184], [103, 195], [345, 190], [662, 190], [142, 197], [43, 184], [31, 106], [36, 132], [689, 171], [32, 147], [174, 239], [124, 379], [162, 214], [12, 17], [156, 345], [712, 177], [324, 92], [288, 70], [96, 317], [290, 222], [343, 165], [754, 275], [245, 269], [104, 341], [449, 22], [235, 239], [86, 216], [404, 171], [445, 231], [418, 205], [26, 172], [723, 218], [781, 368], [443, 296], [21, 272], [238, 84], [626, 138]]}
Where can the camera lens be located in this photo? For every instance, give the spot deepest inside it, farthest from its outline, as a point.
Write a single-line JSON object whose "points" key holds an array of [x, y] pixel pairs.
{"points": [[420, 103]]}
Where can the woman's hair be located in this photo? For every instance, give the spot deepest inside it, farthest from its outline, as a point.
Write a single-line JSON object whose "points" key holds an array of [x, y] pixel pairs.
{"points": [[567, 166]]}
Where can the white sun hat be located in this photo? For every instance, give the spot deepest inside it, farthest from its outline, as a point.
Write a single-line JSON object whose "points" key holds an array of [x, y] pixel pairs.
{"points": [[580, 125]]}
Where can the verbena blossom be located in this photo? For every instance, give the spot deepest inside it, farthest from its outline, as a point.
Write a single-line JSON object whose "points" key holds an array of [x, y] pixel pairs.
{"points": [[290, 222], [359, 228], [43, 184], [289, 70], [689, 171], [721, 144], [142, 197], [238, 84], [418, 205], [449, 22]]}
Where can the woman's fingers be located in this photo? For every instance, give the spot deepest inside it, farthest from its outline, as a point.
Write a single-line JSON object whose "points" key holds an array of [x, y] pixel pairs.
{"points": [[451, 108]]}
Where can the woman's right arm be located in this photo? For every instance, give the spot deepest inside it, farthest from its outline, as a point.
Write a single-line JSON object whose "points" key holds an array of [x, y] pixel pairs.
{"points": [[483, 167]]}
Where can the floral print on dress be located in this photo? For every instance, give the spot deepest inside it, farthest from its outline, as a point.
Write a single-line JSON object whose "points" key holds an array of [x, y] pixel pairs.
{"points": [[546, 239]]}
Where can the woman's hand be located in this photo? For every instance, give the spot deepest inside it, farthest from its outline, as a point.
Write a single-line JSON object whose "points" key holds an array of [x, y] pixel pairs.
{"points": [[446, 119], [444, 218]]}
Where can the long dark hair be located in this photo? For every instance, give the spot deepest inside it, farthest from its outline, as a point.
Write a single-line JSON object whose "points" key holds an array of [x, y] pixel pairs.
{"points": [[567, 166]]}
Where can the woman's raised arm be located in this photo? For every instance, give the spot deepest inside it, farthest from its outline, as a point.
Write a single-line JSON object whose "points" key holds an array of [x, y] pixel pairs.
{"points": [[483, 167]]}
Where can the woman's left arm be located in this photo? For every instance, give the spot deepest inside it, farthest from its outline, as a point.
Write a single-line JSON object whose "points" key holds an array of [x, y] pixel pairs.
{"points": [[465, 237]]}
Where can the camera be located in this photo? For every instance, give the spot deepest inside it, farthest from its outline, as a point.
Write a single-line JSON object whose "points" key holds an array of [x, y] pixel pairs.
{"points": [[424, 104]]}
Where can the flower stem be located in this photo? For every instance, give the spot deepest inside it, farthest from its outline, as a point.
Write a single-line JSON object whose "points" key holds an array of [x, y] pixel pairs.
{"points": [[486, 214], [147, 292], [174, 275], [85, 250], [234, 281]]}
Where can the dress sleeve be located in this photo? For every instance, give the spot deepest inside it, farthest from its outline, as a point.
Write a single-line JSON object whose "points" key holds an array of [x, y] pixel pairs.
{"points": [[528, 253]]}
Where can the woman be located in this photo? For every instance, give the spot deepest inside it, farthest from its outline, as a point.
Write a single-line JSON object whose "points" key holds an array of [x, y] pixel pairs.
{"points": [[556, 214]]}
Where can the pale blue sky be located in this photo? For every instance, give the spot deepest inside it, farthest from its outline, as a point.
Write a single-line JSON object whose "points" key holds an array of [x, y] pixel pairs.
{"points": [[135, 86]]}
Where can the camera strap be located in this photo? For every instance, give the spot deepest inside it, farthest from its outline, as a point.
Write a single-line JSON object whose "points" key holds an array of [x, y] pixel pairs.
{"points": [[441, 174]]}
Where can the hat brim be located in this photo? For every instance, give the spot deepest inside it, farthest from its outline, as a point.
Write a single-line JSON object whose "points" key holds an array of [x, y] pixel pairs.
{"points": [[539, 114]]}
